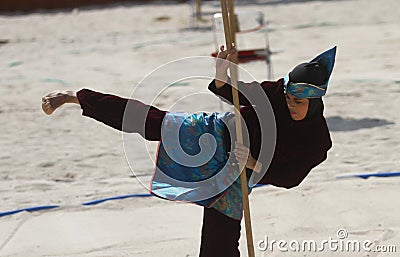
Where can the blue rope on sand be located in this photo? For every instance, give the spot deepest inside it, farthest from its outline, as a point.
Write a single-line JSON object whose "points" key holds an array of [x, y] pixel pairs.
{"points": [[29, 209], [367, 175], [46, 207], [115, 198]]}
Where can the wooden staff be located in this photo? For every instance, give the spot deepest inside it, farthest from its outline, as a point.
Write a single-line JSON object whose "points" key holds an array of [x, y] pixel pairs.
{"points": [[229, 20], [198, 9]]}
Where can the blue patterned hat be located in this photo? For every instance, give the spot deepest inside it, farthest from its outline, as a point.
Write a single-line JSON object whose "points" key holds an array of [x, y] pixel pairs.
{"points": [[310, 80]]}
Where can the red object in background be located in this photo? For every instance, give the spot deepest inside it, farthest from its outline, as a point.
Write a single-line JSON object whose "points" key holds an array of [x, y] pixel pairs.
{"points": [[249, 55]]}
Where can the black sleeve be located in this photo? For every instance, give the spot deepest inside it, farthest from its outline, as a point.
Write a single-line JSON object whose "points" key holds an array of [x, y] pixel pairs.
{"points": [[225, 92]]}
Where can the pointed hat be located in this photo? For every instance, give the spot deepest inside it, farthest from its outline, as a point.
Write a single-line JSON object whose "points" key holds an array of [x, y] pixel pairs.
{"points": [[310, 80]]}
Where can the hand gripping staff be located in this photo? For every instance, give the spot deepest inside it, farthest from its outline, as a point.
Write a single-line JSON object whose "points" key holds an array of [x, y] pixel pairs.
{"points": [[229, 21]]}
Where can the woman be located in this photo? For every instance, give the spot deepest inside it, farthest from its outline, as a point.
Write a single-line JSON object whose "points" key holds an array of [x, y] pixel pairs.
{"points": [[302, 138]]}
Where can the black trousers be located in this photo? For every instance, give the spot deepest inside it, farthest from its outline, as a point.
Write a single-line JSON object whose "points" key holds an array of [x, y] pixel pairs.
{"points": [[220, 234]]}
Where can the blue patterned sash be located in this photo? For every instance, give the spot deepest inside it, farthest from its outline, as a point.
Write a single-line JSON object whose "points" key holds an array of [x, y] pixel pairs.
{"points": [[193, 165]]}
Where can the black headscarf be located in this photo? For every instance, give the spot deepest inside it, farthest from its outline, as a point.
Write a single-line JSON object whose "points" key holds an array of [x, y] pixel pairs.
{"points": [[313, 73]]}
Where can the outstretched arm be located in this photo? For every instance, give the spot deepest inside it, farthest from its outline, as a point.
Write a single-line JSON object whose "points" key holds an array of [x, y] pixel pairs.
{"points": [[110, 109], [52, 101]]}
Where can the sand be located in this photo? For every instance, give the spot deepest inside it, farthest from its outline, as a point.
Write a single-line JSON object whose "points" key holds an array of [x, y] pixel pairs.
{"points": [[66, 159]]}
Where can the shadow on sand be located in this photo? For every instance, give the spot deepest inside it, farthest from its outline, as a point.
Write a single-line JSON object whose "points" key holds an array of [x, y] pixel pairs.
{"points": [[337, 123]]}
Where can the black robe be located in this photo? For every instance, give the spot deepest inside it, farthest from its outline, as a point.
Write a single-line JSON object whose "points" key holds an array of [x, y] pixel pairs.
{"points": [[300, 145]]}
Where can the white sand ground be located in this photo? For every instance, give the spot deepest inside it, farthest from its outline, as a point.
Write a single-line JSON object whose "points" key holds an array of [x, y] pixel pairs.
{"points": [[67, 159]]}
